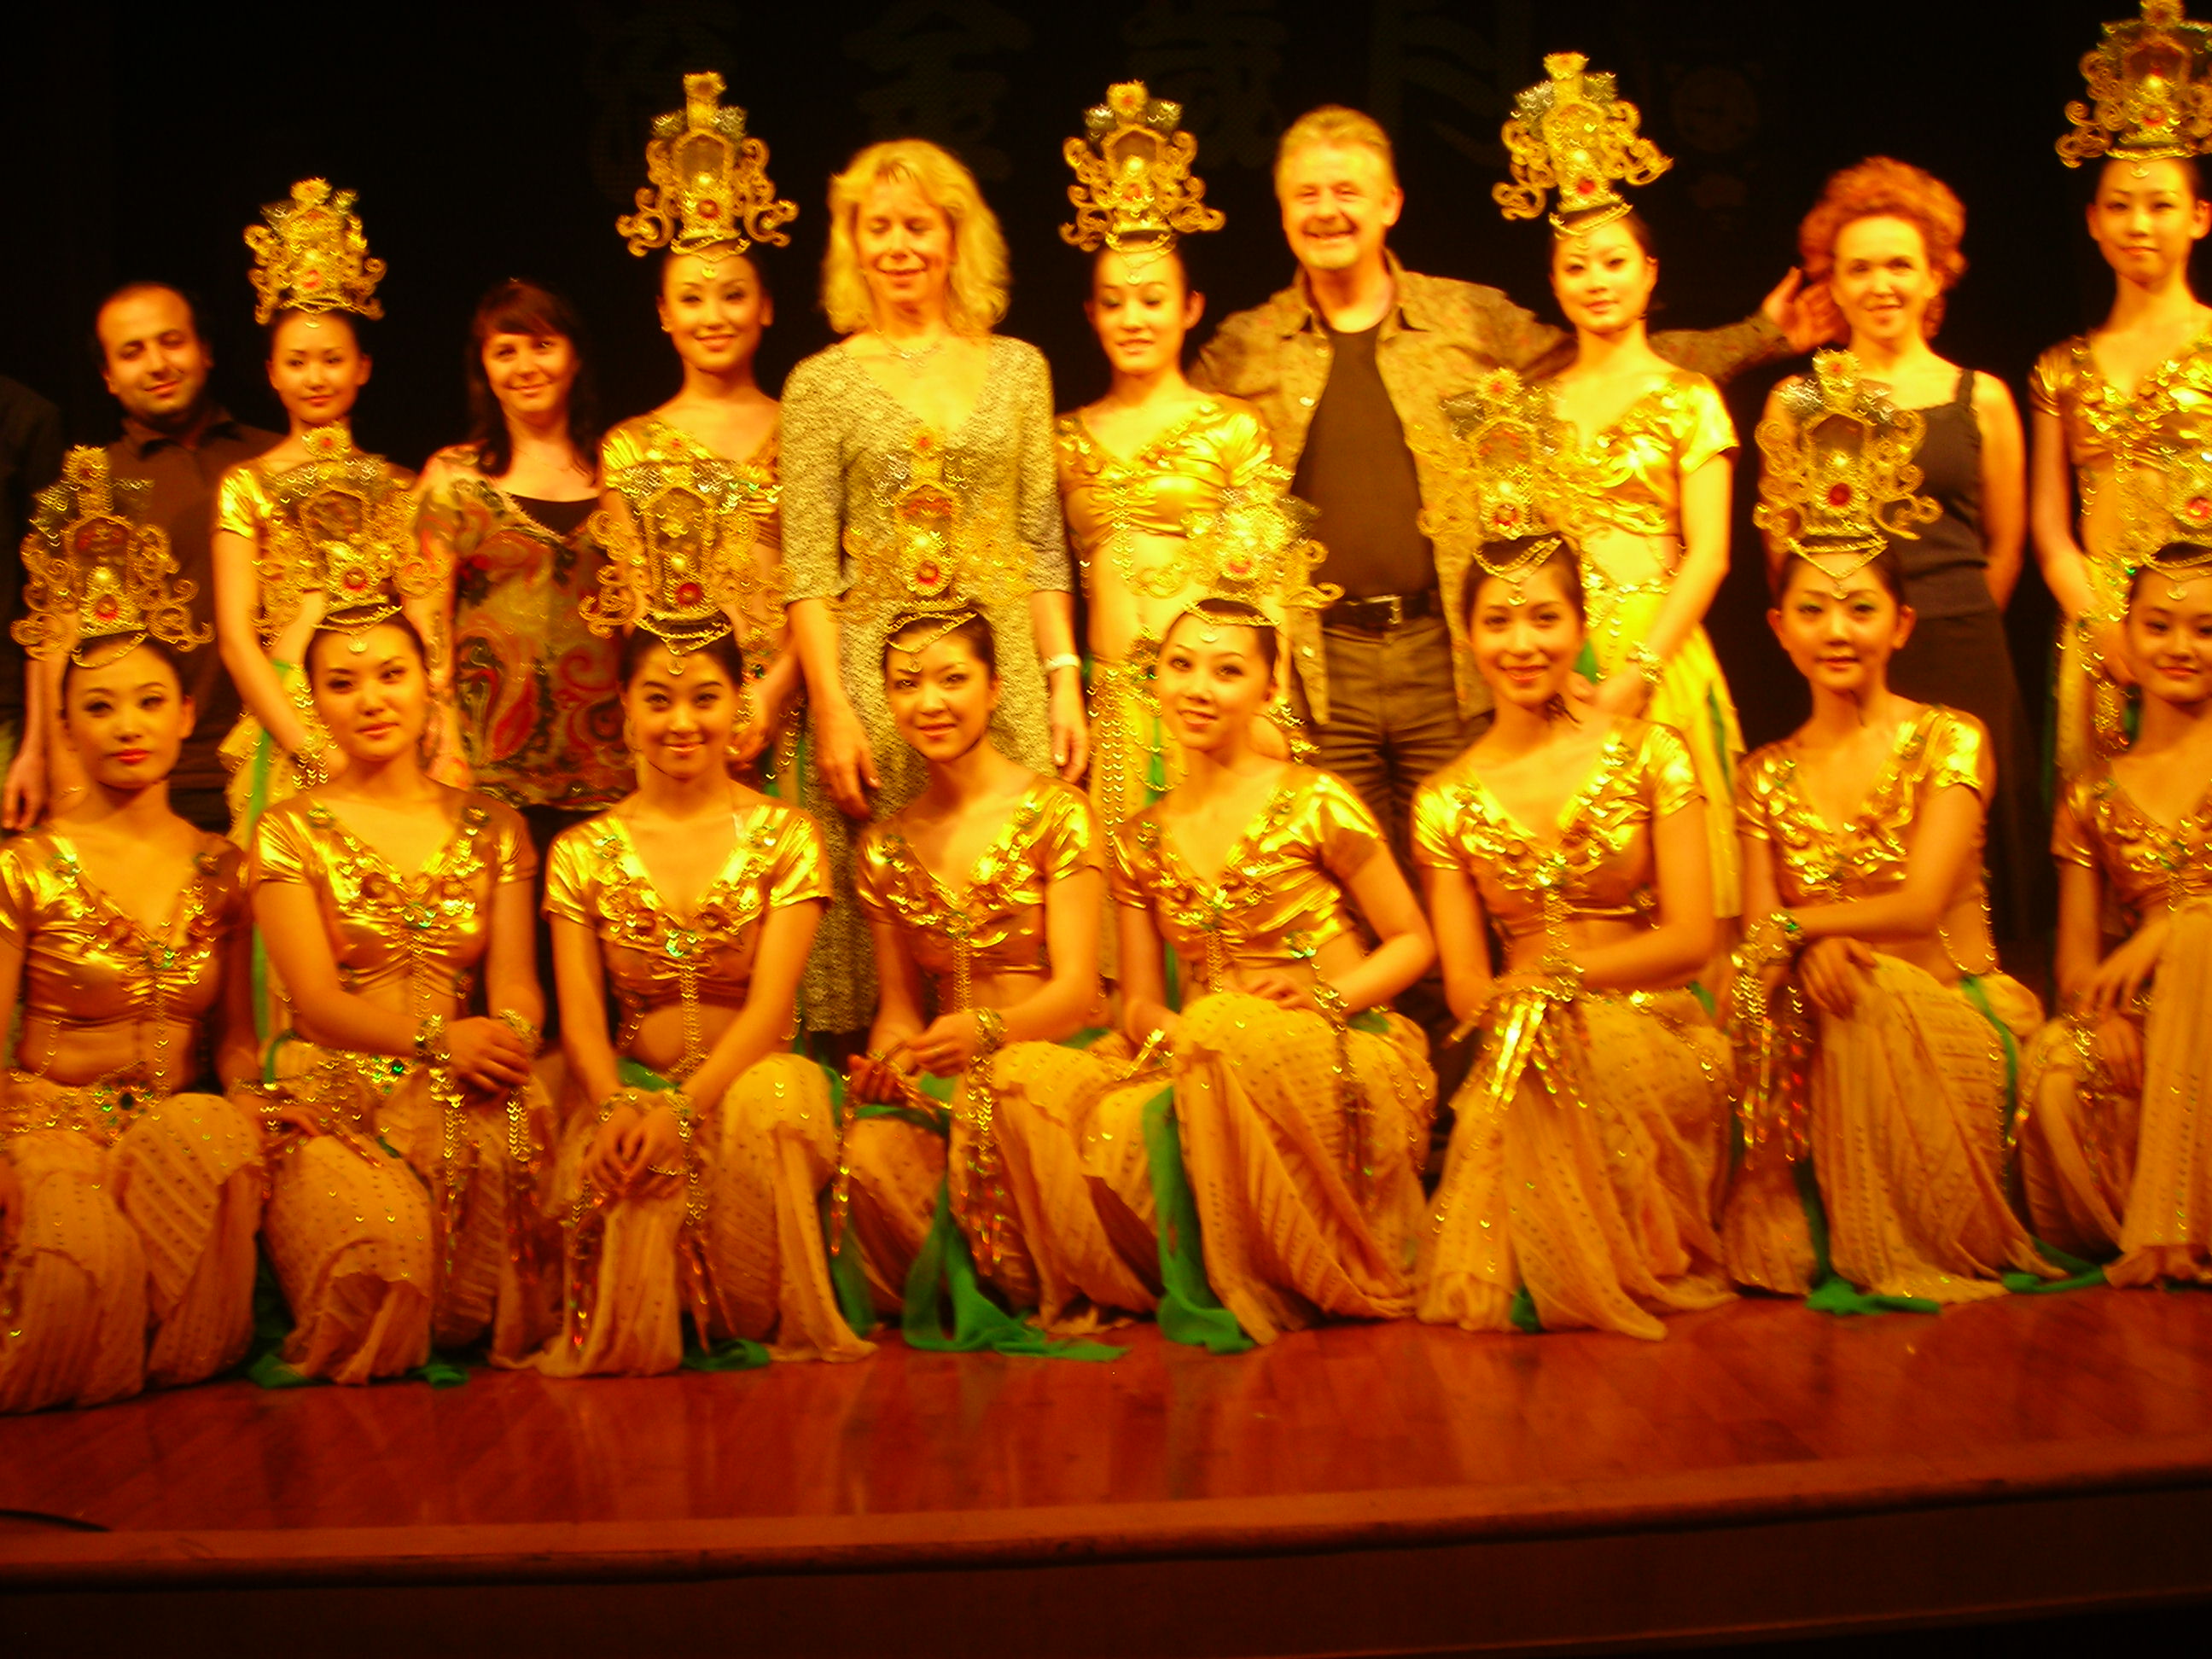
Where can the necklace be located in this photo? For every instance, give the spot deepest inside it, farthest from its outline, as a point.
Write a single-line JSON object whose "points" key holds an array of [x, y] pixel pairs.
{"points": [[915, 357]]}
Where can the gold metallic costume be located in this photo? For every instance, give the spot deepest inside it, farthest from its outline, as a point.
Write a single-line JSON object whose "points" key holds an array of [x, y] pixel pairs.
{"points": [[887, 515], [1046, 1231], [1590, 1139], [1901, 1105], [738, 1244], [410, 1216], [2106, 1170], [1303, 1138], [129, 1260]]}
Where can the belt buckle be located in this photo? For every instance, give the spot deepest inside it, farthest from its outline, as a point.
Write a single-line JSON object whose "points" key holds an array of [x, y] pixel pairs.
{"points": [[1397, 604]]}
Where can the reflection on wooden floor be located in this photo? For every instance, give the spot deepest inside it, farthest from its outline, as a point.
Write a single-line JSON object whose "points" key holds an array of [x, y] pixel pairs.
{"points": [[1347, 1443]]}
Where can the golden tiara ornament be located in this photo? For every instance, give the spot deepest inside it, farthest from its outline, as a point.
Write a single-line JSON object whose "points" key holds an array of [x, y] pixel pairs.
{"points": [[682, 558], [1134, 191], [710, 186], [1839, 484], [941, 555], [2150, 83], [1570, 133], [97, 572], [312, 255], [343, 527], [1513, 469]]}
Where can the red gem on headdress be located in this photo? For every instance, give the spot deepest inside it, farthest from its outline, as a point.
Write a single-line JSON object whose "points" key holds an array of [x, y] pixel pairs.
{"points": [[928, 574], [106, 609], [1585, 186], [1840, 494], [2197, 511], [710, 209], [311, 279], [690, 593], [356, 581]]}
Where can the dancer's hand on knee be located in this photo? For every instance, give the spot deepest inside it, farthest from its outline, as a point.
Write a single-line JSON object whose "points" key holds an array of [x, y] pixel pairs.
{"points": [[2119, 1046], [1835, 972]]}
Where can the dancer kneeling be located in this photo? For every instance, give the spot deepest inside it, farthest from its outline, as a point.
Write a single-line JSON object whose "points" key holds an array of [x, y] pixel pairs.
{"points": [[402, 1211], [1876, 1033], [1303, 1101], [1009, 943], [693, 1188], [2112, 1137], [1583, 1178], [130, 1191]]}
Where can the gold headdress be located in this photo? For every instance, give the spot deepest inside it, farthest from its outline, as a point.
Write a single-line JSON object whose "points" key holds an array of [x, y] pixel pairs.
{"points": [[2151, 79], [1134, 190], [1514, 470], [1839, 484], [1570, 133], [710, 185], [943, 555], [343, 526], [313, 256], [682, 558], [98, 572]]}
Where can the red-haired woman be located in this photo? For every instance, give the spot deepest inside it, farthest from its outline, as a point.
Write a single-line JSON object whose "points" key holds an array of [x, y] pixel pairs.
{"points": [[1885, 238]]}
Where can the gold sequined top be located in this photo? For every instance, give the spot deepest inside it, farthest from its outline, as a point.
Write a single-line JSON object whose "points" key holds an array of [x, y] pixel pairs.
{"points": [[643, 457], [1219, 445], [87, 965], [1280, 897], [1599, 867], [2144, 864], [1049, 836], [1819, 863], [1636, 464], [2109, 435], [595, 878], [388, 928]]}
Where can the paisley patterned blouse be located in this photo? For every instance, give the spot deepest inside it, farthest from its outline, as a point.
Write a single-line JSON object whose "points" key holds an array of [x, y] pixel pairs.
{"points": [[1000, 912], [2144, 864], [1599, 866], [595, 878], [1281, 897]]}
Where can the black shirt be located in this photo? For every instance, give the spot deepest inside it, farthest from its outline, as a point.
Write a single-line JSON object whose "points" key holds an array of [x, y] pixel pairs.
{"points": [[1358, 471]]}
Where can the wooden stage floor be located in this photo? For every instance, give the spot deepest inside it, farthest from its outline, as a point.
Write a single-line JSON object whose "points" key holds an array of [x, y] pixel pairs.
{"points": [[1765, 1471]]}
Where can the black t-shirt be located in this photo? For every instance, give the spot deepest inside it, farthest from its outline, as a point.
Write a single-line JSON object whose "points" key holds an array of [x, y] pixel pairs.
{"points": [[1356, 469]]}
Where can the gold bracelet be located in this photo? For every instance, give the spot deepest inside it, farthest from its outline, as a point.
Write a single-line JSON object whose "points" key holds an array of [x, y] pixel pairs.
{"points": [[1330, 1002], [522, 1028]]}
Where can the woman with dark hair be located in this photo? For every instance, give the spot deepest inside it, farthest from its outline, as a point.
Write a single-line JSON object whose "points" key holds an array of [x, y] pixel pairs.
{"points": [[1883, 237], [504, 517], [1579, 1190], [314, 523], [697, 477], [1876, 1033], [129, 1188], [402, 1213], [2123, 415], [983, 894], [2114, 1153], [1301, 1101]]}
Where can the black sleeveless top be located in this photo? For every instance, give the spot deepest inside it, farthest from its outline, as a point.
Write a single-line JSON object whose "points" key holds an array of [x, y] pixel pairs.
{"points": [[562, 518], [1944, 567]]}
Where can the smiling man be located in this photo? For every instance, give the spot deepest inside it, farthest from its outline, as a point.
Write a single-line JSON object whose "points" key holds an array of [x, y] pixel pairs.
{"points": [[1342, 363], [155, 361]]}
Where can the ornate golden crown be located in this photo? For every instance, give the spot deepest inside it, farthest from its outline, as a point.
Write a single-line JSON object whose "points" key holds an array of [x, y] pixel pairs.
{"points": [[1257, 547], [942, 554], [1570, 133], [1134, 191], [313, 256], [97, 571], [343, 526], [681, 559], [710, 185], [1839, 483], [2151, 79]]}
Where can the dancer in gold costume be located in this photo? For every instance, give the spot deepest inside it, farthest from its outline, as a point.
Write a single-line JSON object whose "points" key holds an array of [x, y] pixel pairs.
{"points": [[2114, 1115], [698, 474], [130, 1189], [917, 469], [2123, 415], [1655, 447], [983, 894], [1302, 1102], [696, 1148], [402, 1209], [314, 524], [505, 518], [1876, 1036], [1590, 1138], [1162, 484]]}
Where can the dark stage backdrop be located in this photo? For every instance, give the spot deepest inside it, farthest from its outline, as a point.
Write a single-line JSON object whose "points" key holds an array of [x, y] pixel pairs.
{"points": [[487, 140]]}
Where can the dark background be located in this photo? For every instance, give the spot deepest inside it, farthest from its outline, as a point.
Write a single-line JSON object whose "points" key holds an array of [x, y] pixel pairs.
{"points": [[489, 141]]}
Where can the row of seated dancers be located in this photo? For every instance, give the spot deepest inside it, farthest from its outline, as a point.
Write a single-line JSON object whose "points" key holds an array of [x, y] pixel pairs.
{"points": [[1872, 1114]]}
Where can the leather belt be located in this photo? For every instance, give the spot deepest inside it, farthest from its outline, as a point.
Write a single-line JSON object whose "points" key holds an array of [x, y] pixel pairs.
{"points": [[1383, 611]]}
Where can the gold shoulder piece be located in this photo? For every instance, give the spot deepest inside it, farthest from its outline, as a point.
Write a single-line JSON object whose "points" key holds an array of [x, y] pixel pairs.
{"points": [[710, 186]]}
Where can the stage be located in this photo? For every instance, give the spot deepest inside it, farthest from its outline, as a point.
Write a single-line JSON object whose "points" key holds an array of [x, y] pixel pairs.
{"points": [[1765, 1471]]}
